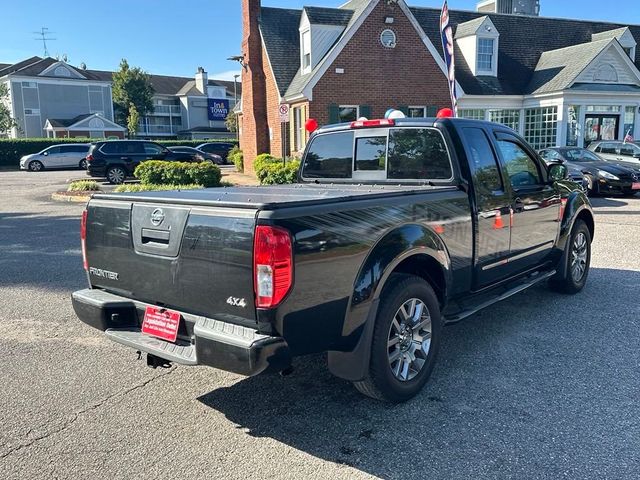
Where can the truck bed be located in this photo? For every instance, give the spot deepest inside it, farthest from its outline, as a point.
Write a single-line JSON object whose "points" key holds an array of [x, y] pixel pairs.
{"points": [[273, 197]]}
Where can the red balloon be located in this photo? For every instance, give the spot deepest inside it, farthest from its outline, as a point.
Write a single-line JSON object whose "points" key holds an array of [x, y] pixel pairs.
{"points": [[445, 113], [311, 125]]}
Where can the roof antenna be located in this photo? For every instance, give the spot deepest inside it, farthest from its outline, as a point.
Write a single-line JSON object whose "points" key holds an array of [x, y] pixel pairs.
{"points": [[43, 35]]}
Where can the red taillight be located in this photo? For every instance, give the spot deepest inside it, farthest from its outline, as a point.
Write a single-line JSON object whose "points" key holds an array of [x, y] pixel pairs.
{"points": [[388, 122], [272, 265], [83, 239], [89, 158]]}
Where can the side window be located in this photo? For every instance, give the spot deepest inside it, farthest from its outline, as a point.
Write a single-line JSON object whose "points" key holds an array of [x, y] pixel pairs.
{"points": [[79, 149], [607, 148], [418, 153], [111, 148], [521, 168], [482, 161], [629, 150], [54, 150], [371, 154], [153, 149], [329, 156], [550, 155]]}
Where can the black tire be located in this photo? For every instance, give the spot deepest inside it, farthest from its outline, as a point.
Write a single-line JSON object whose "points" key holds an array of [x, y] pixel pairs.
{"points": [[36, 166], [571, 282], [116, 175], [83, 164], [382, 382], [593, 189], [630, 194]]}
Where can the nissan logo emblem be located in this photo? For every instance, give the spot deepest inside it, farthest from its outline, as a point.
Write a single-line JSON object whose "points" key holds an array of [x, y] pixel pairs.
{"points": [[157, 217]]}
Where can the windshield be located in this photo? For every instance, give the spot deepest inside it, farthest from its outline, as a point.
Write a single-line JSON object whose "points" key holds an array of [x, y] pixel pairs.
{"points": [[581, 156]]}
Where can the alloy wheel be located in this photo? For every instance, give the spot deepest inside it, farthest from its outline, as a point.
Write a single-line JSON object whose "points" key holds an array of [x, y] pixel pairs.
{"points": [[579, 254], [116, 175], [409, 340], [35, 166]]}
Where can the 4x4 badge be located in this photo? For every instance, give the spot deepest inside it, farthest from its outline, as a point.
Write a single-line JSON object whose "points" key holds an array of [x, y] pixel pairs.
{"points": [[237, 302], [157, 217]]}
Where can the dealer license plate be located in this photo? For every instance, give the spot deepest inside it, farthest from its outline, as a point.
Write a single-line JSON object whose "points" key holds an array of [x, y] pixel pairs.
{"points": [[161, 323], [635, 186]]}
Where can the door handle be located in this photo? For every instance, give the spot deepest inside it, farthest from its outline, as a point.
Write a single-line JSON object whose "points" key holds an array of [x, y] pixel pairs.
{"points": [[518, 205]]}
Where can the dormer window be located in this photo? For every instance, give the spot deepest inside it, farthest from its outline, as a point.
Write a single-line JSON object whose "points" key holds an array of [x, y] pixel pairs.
{"points": [[306, 51], [478, 41], [485, 54]]}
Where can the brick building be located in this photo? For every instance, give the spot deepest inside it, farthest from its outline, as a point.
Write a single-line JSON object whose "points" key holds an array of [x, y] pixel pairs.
{"points": [[555, 81]]}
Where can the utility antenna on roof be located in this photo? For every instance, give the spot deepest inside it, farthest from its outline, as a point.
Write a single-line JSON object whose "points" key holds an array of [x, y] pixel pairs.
{"points": [[43, 35]]}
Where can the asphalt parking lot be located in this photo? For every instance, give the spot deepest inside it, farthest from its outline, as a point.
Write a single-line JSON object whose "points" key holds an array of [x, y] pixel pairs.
{"points": [[540, 386]]}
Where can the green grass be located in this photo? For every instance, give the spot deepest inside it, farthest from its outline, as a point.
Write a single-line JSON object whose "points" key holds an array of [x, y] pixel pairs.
{"points": [[138, 187]]}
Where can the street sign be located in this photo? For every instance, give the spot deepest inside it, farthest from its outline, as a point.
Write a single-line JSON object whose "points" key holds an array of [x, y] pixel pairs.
{"points": [[284, 113]]}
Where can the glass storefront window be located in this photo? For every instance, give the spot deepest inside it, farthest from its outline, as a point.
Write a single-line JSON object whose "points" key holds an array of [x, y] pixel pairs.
{"points": [[603, 108], [509, 118], [573, 125], [629, 121], [472, 113], [541, 127]]}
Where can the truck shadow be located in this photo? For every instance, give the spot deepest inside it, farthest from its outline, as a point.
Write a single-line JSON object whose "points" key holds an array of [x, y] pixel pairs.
{"points": [[40, 251], [536, 383]]}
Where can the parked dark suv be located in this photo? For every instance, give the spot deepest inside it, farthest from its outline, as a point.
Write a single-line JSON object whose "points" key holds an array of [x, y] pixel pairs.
{"points": [[116, 160]]}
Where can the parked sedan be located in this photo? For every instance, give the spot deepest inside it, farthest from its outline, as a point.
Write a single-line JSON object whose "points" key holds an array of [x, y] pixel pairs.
{"points": [[602, 176], [198, 155], [623, 153], [217, 148], [57, 156]]}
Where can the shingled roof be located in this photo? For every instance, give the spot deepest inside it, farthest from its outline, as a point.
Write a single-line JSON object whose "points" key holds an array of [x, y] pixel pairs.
{"points": [[328, 16], [523, 40]]}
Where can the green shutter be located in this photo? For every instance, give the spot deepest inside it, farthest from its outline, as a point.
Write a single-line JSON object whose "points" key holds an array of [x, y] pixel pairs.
{"points": [[432, 111], [334, 113], [404, 109], [365, 111]]}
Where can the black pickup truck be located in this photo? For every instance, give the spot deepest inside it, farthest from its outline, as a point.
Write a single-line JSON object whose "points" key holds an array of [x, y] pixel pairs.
{"points": [[395, 229]]}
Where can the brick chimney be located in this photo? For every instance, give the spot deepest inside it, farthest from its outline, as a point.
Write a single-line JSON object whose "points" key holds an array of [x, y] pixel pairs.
{"points": [[202, 79], [255, 130]]}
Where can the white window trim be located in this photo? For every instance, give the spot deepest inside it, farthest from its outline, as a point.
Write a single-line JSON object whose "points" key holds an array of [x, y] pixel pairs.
{"points": [[422, 107], [357, 107], [305, 69], [494, 58]]}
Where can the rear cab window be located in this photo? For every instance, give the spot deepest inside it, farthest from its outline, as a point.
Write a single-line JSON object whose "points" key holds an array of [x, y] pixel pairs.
{"points": [[400, 153]]}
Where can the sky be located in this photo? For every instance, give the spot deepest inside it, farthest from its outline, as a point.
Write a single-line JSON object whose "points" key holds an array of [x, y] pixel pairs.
{"points": [[170, 37]]}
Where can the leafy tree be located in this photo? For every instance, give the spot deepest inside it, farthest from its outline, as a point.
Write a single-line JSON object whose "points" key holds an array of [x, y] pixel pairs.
{"points": [[7, 122], [133, 120], [131, 86], [231, 122]]}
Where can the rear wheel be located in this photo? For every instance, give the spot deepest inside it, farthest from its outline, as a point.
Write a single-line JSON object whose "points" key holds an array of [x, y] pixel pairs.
{"points": [[83, 164], [36, 166], [592, 186], [406, 340], [578, 258], [116, 175]]}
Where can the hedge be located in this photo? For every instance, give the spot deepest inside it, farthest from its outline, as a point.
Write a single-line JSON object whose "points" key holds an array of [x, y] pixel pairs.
{"points": [[12, 149], [273, 171], [84, 186], [138, 187], [157, 172], [236, 157]]}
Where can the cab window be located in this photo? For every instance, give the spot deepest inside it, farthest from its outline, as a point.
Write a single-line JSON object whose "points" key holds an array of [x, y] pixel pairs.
{"points": [[371, 154], [329, 156], [482, 160], [418, 153], [520, 167]]}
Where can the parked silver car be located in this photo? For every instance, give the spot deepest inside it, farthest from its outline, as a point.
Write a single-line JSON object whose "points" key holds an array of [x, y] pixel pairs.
{"points": [[57, 156], [623, 153]]}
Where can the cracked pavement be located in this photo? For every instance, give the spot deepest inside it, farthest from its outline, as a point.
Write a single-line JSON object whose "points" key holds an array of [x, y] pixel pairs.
{"points": [[540, 386]]}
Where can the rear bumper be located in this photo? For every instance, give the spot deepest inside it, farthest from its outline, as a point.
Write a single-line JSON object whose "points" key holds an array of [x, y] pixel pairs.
{"points": [[96, 170], [213, 343]]}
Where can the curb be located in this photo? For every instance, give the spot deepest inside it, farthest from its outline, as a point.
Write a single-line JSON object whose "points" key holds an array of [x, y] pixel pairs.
{"points": [[66, 197]]}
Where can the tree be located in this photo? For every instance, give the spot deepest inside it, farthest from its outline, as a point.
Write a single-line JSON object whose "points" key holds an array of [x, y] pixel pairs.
{"points": [[131, 86], [133, 120], [231, 122], [7, 122]]}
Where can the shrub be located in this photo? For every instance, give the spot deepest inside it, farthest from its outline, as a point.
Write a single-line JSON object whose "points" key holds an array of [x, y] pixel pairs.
{"points": [[156, 172], [261, 162], [139, 187], [279, 173], [236, 157], [83, 186]]}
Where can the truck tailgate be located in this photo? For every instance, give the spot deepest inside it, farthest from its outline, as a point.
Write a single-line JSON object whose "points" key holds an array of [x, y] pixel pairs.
{"points": [[188, 258]]}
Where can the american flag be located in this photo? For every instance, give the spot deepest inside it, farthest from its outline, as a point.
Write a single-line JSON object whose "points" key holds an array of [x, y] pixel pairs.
{"points": [[628, 138], [447, 45]]}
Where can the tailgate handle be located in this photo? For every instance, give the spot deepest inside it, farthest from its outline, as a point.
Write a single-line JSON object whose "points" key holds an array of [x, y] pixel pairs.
{"points": [[160, 237]]}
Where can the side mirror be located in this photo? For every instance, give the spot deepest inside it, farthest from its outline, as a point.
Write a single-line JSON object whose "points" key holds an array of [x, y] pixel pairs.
{"points": [[45, 154], [558, 171]]}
